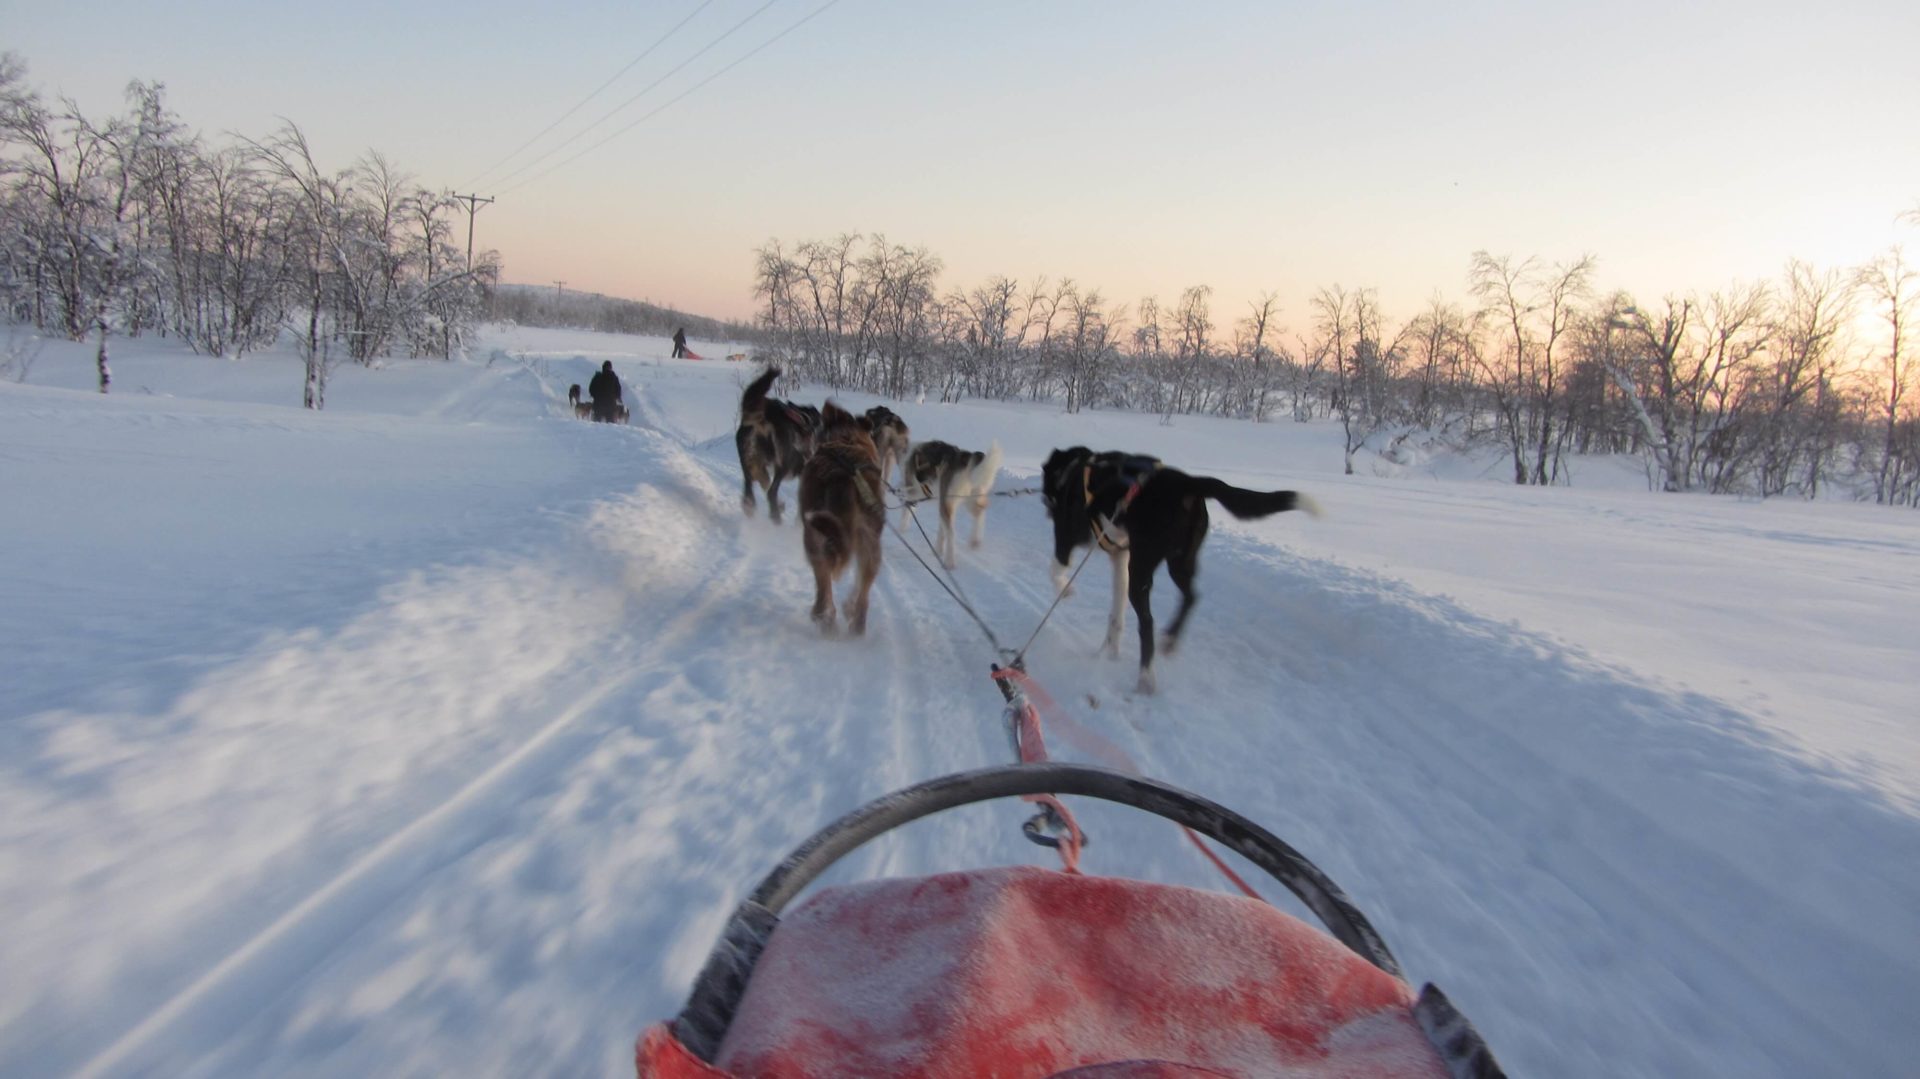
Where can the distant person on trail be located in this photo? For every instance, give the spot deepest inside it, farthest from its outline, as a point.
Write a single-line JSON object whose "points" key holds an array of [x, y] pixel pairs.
{"points": [[605, 391], [679, 343]]}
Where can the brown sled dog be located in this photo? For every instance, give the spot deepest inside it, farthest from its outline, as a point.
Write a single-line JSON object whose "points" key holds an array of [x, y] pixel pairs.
{"points": [[774, 438], [842, 514]]}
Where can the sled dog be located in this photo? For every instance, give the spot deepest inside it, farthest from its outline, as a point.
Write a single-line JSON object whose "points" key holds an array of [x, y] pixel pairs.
{"points": [[841, 515], [889, 433], [951, 477], [1142, 513], [774, 438]]}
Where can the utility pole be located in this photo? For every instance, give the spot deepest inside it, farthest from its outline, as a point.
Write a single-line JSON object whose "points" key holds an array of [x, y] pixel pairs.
{"points": [[559, 288], [474, 202]]}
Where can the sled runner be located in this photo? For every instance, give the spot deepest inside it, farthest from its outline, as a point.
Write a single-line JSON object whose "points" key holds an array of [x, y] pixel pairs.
{"points": [[1019, 971]]}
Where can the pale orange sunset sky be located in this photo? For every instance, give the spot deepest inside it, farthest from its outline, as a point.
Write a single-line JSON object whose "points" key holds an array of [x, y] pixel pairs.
{"points": [[1137, 147]]}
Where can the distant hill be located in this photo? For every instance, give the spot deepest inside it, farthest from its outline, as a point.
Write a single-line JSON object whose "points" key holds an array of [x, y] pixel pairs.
{"points": [[539, 305]]}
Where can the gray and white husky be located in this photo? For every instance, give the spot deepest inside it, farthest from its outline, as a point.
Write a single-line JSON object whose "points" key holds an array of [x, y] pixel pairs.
{"points": [[951, 477]]}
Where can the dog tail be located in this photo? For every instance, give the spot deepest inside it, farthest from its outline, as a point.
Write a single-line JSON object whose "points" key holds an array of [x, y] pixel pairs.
{"points": [[1241, 502], [756, 394], [988, 468], [573, 393]]}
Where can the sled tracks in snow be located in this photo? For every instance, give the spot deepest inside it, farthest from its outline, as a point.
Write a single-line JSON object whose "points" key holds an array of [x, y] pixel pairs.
{"points": [[225, 996]]}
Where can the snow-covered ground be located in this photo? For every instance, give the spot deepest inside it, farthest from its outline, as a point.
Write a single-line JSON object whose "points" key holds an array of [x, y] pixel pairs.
{"points": [[437, 733]]}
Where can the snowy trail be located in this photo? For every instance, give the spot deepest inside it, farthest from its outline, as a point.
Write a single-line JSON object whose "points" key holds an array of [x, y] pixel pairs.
{"points": [[670, 698], [490, 818], [265, 966], [726, 748], [1472, 751]]}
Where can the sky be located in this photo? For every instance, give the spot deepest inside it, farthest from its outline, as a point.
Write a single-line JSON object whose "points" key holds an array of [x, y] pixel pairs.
{"points": [[1136, 148]]}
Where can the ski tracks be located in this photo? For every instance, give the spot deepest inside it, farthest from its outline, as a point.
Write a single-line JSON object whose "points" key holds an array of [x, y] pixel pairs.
{"points": [[266, 964], [577, 882]]}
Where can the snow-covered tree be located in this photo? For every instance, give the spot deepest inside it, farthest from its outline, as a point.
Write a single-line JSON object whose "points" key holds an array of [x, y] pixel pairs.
{"points": [[1891, 287]]}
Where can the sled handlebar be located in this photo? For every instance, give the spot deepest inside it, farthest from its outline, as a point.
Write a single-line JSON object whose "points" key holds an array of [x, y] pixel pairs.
{"points": [[723, 980]]}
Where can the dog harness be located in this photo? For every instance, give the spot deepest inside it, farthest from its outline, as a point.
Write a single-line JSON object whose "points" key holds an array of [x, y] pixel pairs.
{"points": [[868, 496], [1134, 471]]}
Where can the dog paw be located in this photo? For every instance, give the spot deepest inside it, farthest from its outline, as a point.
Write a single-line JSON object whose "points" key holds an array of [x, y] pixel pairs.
{"points": [[1169, 645], [1145, 686]]}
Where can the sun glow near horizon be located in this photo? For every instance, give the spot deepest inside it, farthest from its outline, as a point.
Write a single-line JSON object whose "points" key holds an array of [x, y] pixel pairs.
{"points": [[1241, 146]]}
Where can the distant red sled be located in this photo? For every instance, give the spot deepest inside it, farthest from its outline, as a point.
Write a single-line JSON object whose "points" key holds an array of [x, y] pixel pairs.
{"points": [[1019, 971]]}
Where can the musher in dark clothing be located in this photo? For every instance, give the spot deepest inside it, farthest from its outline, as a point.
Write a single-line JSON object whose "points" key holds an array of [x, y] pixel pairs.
{"points": [[605, 391], [679, 343]]}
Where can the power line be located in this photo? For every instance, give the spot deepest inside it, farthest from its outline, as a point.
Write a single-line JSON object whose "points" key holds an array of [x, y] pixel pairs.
{"points": [[575, 137], [682, 96], [474, 202], [596, 93]]}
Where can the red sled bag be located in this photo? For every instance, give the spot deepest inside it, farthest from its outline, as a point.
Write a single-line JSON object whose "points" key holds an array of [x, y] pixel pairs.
{"points": [[1019, 971]]}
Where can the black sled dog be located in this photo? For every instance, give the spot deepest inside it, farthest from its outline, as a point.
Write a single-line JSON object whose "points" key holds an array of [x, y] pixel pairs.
{"points": [[775, 438], [1142, 513]]}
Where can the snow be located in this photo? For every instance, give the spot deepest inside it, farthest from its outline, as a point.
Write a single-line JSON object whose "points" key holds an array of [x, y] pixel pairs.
{"points": [[439, 732]]}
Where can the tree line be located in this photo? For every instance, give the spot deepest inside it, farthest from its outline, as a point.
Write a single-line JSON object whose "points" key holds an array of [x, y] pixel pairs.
{"points": [[535, 305], [1795, 386], [134, 224], [1798, 386]]}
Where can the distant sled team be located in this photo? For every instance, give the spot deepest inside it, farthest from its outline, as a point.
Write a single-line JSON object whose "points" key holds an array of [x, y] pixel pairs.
{"points": [[1137, 510], [607, 405]]}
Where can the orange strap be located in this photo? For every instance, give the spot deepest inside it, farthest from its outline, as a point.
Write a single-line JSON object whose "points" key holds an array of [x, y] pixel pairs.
{"points": [[1033, 748], [1070, 843]]}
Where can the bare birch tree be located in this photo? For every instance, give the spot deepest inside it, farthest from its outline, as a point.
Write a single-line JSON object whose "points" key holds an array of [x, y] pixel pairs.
{"points": [[1890, 285]]}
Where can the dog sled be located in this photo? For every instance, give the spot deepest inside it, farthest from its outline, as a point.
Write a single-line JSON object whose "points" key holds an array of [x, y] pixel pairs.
{"points": [[584, 408], [1020, 971]]}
